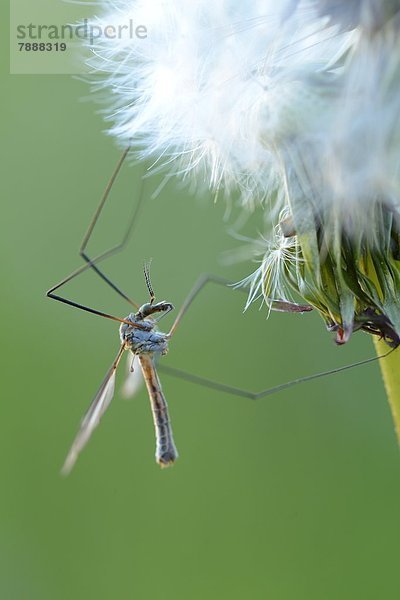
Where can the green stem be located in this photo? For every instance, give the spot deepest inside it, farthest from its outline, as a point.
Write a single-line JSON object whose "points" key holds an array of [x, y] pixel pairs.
{"points": [[390, 368]]}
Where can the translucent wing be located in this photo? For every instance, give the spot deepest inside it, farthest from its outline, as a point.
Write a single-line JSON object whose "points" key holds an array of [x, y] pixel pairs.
{"points": [[93, 415], [134, 378]]}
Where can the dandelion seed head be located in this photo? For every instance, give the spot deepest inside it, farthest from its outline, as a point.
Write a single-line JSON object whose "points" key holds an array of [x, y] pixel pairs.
{"points": [[294, 105]]}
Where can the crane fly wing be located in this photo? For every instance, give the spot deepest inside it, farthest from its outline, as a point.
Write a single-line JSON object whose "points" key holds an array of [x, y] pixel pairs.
{"points": [[92, 417], [90, 422]]}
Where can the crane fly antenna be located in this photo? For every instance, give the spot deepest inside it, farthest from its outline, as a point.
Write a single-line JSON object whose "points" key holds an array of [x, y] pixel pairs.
{"points": [[146, 271]]}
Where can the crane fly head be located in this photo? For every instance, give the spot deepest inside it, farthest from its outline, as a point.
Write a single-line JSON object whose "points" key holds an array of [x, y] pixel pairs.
{"points": [[149, 309]]}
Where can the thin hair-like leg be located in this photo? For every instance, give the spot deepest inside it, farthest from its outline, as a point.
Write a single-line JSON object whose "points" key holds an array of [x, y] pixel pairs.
{"points": [[277, 305], [50, 294], [229, 389], [92, 263], [121, 245], [280, 306]]}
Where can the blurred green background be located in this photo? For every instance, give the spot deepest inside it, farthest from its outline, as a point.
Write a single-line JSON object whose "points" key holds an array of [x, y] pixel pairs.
{"points": [[293, 497]]}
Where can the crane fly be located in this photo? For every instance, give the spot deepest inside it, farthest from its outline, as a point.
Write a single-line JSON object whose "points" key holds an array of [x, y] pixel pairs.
{"points": [[140, 337]]}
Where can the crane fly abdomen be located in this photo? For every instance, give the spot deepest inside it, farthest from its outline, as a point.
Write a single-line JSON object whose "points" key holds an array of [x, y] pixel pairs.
{"points": [[166, 452]]}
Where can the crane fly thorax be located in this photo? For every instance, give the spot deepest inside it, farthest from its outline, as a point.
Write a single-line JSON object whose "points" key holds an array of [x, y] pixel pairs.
{"points": [[144, 339]]}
